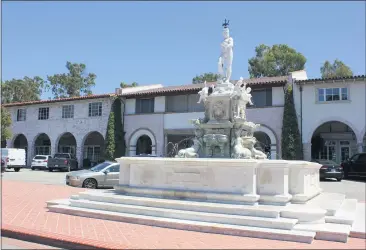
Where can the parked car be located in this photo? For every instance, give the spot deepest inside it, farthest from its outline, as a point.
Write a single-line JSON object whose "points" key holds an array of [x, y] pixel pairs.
{"points": [[3, 164], [40, 162], [355, 166], [14, 157], [62, 161], [105, 174], [330, 169]]}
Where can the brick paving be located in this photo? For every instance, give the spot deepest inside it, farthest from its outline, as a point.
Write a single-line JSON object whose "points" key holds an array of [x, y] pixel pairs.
{"points": [[24, 211]]}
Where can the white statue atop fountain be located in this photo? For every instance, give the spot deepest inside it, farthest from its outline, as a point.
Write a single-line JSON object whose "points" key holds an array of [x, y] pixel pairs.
{"points": [[224, 131], [226, 57]]}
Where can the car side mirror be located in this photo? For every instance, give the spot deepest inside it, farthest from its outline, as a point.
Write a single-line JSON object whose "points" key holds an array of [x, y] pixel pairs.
{"points": [[106, 171]]}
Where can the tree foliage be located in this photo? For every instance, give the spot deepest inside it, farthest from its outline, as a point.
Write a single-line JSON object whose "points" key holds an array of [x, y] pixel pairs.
{"points": [[5, 124], [337, 69], [76, 82], [110, 142], [291, 141], [22, 90], [125, 85], [119, 134], [278, 60], [115, 143], [208, 77]]}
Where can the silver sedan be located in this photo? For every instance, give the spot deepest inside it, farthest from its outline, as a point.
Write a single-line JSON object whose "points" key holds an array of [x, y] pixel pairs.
{"points": [[104, 175]]}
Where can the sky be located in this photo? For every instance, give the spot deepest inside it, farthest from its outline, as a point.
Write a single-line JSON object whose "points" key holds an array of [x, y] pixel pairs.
{"points": [[171, 42]]}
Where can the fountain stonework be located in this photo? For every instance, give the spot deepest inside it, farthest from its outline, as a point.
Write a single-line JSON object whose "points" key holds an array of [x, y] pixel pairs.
{"points": [[222, 184]]}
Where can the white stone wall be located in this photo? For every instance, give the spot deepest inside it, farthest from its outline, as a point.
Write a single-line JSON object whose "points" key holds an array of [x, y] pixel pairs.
{"points": [[80, 126], [351, 113]]}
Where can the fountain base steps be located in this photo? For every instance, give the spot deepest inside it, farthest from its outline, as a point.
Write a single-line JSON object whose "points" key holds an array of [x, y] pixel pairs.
{"points": [[293, 222], [200, 226]]}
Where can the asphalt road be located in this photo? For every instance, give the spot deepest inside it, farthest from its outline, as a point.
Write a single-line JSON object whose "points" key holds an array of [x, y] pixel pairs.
{"points": [[354, 189], [9, 243]]}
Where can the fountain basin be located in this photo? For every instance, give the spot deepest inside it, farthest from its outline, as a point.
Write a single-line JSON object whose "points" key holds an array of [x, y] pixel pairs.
{"points": [[222, 180]]}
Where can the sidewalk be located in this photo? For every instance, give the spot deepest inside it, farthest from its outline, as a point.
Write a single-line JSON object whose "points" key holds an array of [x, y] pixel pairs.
{"points": [[24, 214]]}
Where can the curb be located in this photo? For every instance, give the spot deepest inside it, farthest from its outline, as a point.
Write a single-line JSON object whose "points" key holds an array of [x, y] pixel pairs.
{"points": [[55, 240]]}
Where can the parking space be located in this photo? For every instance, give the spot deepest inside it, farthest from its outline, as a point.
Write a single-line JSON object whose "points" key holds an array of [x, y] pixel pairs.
{"points": [[39, 176]]}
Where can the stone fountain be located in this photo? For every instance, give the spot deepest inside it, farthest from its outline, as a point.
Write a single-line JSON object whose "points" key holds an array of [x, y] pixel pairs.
{"points": [[222, 184]]}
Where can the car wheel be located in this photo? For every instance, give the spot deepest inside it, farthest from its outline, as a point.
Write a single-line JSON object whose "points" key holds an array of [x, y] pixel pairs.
{"points": [[339, 179], [50, 169], [16, 169], [33, 168], [90, 183]]}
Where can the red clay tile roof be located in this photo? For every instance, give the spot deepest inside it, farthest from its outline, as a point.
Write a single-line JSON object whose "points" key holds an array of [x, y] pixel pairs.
{"points": [[58, 100], [264, 81], [358, 77]]}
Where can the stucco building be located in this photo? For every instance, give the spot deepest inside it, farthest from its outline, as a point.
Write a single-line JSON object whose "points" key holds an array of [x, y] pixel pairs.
{"points": [[156, 118]]}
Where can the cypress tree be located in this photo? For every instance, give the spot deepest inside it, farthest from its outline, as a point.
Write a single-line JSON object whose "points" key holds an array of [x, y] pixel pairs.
{"points": [[120, 146], [291, 141], [110, 142]]}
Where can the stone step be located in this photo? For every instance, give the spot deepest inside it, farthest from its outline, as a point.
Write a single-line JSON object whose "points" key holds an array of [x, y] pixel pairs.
{"points": [[207, 227], [221, 208], [358, 229], [303, 213], [328, 201], [58, 202], [327, 231], [277, 223], [345, 214]]}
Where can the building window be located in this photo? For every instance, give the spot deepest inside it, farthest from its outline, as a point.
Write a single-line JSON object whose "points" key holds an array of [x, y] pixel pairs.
{"points": [[329, 151], [93, 153], [144, 106], [332, 94], [68, 111], [21, 115], [261, 98], [43, 113], [176, 103], [95, 109]]}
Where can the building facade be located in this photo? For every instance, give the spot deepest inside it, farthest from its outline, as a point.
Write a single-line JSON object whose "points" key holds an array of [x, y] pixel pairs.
{"points": [[332, 116], [160, 117], [156, 119]]}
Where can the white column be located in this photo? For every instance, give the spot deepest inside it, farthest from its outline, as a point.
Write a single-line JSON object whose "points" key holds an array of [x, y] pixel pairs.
{"points": [[359, 147], [79, 151], [274, 152], [307, 151], [30, 152], [132, 150]]}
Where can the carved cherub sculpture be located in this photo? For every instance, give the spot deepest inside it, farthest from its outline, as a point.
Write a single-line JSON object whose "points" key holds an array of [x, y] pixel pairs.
{"points": [[203, 93]]}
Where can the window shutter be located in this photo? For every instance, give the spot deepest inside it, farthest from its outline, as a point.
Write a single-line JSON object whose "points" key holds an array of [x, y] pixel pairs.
{"points": [[138, 106], [269, 97]]}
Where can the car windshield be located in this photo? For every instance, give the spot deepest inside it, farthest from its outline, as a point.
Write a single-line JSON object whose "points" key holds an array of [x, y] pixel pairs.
{"points": [[62, 156], [39, 157], [100, 166]]}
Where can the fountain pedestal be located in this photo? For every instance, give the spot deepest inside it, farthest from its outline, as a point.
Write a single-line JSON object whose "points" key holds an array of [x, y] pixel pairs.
{"points": [[223, 180]]}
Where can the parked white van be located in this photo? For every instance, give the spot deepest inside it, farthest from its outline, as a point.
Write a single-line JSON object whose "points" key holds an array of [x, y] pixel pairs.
{"points": [[14, 157]]}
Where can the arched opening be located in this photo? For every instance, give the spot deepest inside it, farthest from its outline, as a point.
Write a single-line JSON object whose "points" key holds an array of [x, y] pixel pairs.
{"points": [[42, 145], [93, 149], [333, 141], [67, 144], [144, 145], [20, 141], [263, 142]]}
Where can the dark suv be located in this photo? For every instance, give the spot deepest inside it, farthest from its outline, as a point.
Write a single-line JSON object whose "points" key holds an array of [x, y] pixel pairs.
{"points": [[355, 166]]}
